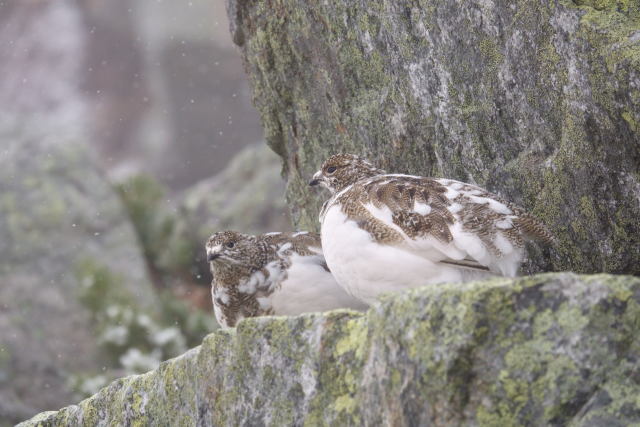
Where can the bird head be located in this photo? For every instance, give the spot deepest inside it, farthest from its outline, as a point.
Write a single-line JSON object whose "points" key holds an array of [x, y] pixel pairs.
{"points": [[231, 247], [341, 170]]}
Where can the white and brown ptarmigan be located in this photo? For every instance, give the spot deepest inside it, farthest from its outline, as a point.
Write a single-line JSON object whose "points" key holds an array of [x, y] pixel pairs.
{"points": [[386, 232], [271, 274]]}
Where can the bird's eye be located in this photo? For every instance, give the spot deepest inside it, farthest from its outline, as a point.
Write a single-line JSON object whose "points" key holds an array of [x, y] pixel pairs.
{"points": [[331, 169], [230, 244]]}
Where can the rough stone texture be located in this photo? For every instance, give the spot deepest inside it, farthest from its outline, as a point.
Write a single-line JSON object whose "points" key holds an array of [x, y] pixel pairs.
{"points": [[554, 349], [201, 112], [536, 100]]}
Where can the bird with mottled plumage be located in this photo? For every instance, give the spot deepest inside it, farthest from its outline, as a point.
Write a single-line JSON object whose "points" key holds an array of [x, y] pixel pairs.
{"points": [[385, 232], [271, 274]]}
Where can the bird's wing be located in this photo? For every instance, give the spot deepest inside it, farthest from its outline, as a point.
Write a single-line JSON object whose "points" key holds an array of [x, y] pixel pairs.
{"points": [[442, 220], [528, 226]]}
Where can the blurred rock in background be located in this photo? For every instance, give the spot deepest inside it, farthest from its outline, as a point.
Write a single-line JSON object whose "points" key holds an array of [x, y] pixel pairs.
{"points": [[167, 92], [61, 223], [102, 277], [246, 196], [67, 253]]}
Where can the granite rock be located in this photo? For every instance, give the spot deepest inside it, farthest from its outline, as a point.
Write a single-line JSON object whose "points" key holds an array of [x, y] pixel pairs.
{"points": [[552, 349], [537, 101]]}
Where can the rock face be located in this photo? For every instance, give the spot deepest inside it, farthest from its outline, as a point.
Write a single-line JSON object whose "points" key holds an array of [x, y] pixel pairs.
{"points": [[165, 90], [553, 349], [537, 101]]}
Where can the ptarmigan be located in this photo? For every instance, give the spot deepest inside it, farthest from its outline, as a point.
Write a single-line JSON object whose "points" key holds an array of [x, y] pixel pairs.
{"points": [[271, 274], [385, 232]]}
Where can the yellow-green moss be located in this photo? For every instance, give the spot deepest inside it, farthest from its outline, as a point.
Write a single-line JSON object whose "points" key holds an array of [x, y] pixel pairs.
{"points": [[633, 124], [491, 53], [354, 340]]}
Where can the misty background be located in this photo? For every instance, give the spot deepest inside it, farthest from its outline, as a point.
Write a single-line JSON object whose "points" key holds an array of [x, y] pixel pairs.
{"points": [[127, 136]]}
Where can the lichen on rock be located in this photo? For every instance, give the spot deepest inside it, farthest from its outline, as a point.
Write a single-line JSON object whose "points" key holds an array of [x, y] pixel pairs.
{"points": [[552, 349]]}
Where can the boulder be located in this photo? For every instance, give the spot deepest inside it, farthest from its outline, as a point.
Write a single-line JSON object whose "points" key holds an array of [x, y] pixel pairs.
{"points": [[552, 349], [538, 101], [67, 253]]}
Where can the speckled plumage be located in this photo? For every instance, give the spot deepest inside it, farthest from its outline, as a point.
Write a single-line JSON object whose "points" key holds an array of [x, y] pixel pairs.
{"points": [[271, 274], [414, 230]]}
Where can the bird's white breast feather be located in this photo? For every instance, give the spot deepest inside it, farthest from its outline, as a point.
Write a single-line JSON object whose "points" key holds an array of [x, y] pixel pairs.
{"points": [[384, 214], [308, 287], [503, 244], [505, 223], [451, 193], [255, 281], [454, 207], [495, 205], [222, 294], [264, 303], [469, 244], [285, 247]]}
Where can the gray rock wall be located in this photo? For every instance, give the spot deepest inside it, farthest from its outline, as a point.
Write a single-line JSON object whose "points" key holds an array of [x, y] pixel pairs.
{"points": [[554, 349], [248, 196], [537, 101]]}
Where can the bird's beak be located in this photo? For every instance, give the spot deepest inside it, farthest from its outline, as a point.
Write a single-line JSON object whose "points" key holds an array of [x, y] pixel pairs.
{"points": [[213, 253], [316, 179]]}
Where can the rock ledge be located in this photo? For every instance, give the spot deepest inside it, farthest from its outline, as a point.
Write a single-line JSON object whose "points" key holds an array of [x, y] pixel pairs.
{"points": [[552, 349]]}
